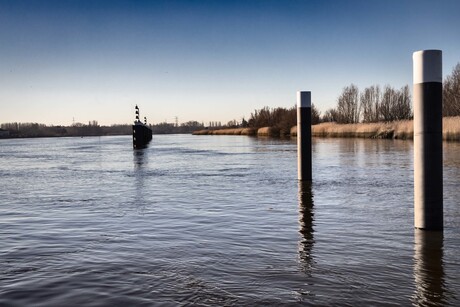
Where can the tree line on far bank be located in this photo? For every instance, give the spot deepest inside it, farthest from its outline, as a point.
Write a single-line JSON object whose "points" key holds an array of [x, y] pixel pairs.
{"points": [[451, 93], [78, 129], [91, 129], [373, 104]]}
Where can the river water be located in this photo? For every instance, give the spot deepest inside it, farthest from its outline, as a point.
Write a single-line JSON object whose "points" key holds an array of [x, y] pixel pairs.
{"points": [[220, 221]]}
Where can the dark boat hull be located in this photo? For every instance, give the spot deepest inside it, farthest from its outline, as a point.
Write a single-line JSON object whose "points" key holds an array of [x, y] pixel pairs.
{"points": [[142, 135]]}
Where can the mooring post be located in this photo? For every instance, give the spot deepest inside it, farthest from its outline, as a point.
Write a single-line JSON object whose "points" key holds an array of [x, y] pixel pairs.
{"points": [[304, 136], [428, 196]]}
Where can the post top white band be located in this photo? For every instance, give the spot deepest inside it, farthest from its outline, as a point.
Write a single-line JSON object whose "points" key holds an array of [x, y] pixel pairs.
{"points": [[303, 99], [427, 66]]}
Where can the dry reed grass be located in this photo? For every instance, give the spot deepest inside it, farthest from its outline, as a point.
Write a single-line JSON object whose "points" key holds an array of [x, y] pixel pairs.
{"points": [[227, 132], [200, 132], [396, 130], [248, 131], [268, 131], [230, 131], [403, 129], [451, 128]]}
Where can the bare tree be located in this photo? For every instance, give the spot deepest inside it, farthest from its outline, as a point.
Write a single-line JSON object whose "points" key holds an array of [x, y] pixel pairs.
{"points": [[232, 124], [395, 104], [330, 116], [348, 105], [284, 119], [261, 118], [280, 118], [389, 100], [315, 115], [370, 103], [402, 109], [451, 93]]}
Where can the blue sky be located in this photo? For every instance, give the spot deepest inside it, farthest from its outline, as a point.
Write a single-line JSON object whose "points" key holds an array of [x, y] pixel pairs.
{"points": [[206, 60]]}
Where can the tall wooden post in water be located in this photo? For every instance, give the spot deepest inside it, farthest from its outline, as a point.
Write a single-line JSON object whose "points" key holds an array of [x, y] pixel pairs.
{"points": [[428, 197], [304, 136]]}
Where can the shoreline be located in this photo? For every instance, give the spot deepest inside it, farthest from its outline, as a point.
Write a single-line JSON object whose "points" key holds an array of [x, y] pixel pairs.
{"points": [[403, 130]]}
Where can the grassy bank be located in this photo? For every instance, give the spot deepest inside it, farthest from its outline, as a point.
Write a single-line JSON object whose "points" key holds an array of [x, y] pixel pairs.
{"points": [[230, 131], [265, 131], [391, 130]]}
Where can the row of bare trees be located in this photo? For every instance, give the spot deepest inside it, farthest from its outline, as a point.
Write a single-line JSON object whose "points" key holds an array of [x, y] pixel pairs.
{"points": [[170, 128], [281, 118], [371, 105], [451, 93], [78, 129], [374, 104], [92, 129]]}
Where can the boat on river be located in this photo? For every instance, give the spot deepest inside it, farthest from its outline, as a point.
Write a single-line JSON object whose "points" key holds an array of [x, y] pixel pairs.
{"points": [[142, 133]]}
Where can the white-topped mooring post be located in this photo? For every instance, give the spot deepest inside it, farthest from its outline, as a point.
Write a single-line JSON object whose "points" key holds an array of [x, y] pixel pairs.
{"points": [[304, 136], [428, 196]]}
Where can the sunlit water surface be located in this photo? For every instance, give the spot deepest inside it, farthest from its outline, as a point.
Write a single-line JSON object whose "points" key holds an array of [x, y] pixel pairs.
{"points": [[220, 220]]}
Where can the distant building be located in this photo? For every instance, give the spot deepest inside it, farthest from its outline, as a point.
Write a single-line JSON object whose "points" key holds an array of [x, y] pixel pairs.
{"points": [[4, 133]]}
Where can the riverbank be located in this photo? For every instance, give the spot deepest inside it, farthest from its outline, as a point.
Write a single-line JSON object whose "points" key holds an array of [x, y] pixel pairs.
{"points": [[229, 131], [265, 131], [390, 130]]}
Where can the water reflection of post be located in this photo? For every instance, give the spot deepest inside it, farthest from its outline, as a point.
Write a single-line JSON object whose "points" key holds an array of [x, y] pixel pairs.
{"points": [[140, 161], [428, 268], [139, 158], [306, 225]]}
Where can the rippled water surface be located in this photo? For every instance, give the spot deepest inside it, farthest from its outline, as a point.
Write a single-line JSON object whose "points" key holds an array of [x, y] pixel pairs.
{"points": [[220, 220]]}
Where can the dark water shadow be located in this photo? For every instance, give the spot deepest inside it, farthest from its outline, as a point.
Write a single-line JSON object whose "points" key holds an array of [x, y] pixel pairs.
{"points": [[306, 219], [430, 289], [140, 161], [140, 158]]}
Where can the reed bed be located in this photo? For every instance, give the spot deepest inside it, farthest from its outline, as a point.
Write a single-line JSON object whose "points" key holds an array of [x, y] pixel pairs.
{"points": [[230, 131], [268, 131], [391, 130], [451, 128], [248, 131], [200, 132], [403, 129]]}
